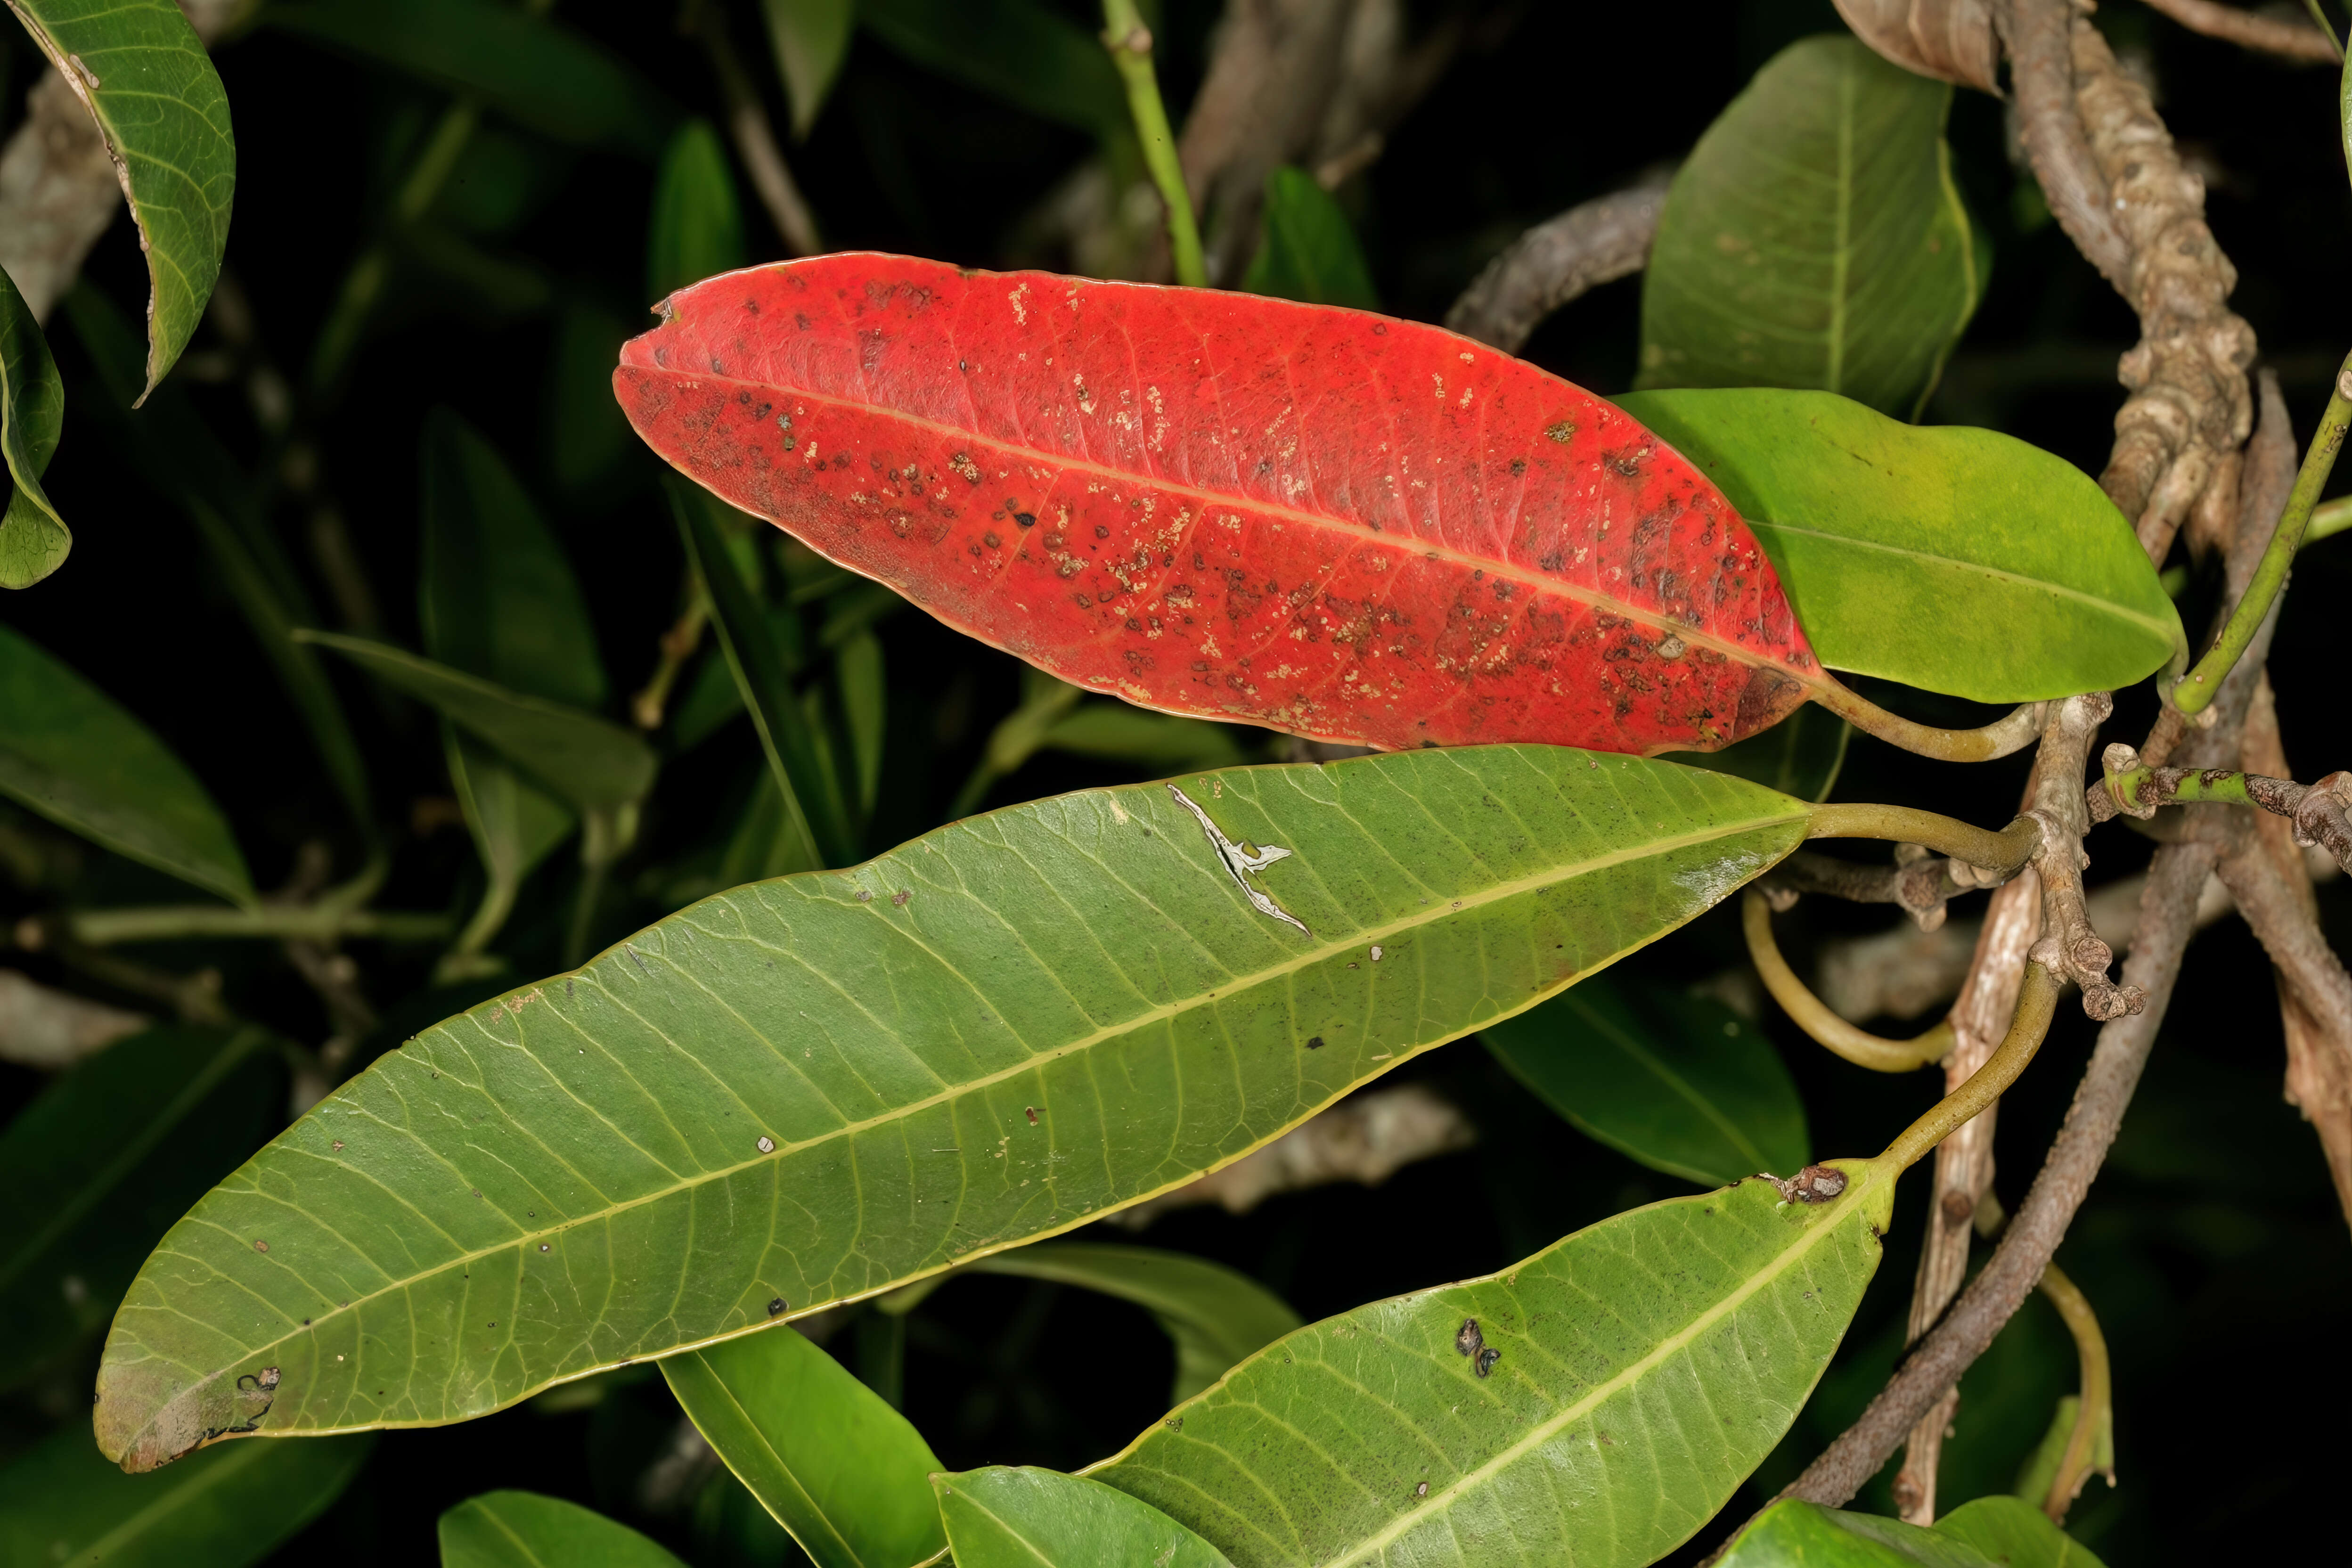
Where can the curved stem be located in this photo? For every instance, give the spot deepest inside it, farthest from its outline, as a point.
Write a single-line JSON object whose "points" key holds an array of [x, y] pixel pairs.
{"points": [[2005, 852], [2017, 729], [2037, 1001], [1130, 43], [2197, 690], [1813, 1016], [313, 922], [2091, 1350]]}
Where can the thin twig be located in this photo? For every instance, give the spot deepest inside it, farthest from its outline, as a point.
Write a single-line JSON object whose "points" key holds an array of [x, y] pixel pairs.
{"points": [[1919, 884], [2068, 943], [2307, 45], [1590, 244], [755, 136], [1130, 43], [2041, 75]]}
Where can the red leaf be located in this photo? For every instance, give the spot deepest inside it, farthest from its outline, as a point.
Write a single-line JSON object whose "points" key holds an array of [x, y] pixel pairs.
{"points": [[1316, 520]]}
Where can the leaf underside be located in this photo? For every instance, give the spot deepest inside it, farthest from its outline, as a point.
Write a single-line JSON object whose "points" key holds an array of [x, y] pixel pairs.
{"points": [[995, 1033], [1355, 528], [1641, 1369]]}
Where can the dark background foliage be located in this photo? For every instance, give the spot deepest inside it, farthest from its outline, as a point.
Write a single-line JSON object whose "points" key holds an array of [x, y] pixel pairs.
{"points": [[2212, 1247]]}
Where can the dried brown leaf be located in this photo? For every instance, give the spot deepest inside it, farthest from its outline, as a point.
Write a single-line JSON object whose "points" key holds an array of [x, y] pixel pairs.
{"points": [[1950, 39]]}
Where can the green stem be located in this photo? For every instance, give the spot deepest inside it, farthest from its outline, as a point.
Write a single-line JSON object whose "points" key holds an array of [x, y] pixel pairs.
{"points": [[2006, 851], [2320, 17], [2199, 688], [2332, 518], [2020, 727], [2037, 1001], [2091, 1351], [1130, 43], [311, 923], [1813, 1016]]}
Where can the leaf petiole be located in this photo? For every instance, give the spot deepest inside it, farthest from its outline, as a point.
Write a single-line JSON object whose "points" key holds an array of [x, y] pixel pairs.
{"points": [[1813, 1016], [2037, 1003]]}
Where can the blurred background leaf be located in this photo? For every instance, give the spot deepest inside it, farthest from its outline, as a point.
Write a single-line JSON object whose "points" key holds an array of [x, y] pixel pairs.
{"points": [[811, 38], [1309, 251]]}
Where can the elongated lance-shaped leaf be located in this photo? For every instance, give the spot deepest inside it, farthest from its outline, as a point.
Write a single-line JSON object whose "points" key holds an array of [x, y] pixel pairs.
{"points": [[1815, 238], [1009, 1518], [1681, 1083], [1594, 1403], [62, 1502], [811, 38], [1957, 560], [2014, 1532], [1313, 519], [526, 65], [591, 762], [1309, 252], [697, 226], [811, 788], [143, 73], [846, 1474], [524, 1530], [820, 1088], [1022, 52], [1214, 1315], [69, 753], [102, 1164], [34, 539]]}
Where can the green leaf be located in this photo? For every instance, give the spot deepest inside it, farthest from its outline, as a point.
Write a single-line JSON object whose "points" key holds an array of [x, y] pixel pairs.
{"points": [[62, 1502], [99, 1165], [811, 38], [697, 228], [1793, 1534], [524, 1530], [34, 539], [182, 458], [1596, 1402], [590, 763], [1959, 560], [1217, 1316], [1309, 252], [1679, 1082], [812, 790], [991, 1035], [1017, 51], [529, 68], [68, 751], [2014, 1533], [1154, 743], [143, 73], [1814, 237], [865, 691], [1801, 755], [1008, 1518], [840, 1469], [587, 435], [497, 599]]}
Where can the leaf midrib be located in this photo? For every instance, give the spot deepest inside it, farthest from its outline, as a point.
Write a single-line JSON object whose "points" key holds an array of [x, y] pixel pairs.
{"points": [[2079, 595], [1543, 1431], [1321, 951], [1809, 673]]}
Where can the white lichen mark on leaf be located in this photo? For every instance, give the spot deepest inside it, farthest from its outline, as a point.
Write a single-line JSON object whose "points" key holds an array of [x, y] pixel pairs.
{"points": [[1241, 863]]}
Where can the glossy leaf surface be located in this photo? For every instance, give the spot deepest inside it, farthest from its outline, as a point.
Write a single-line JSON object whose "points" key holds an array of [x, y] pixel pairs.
{"points": [[34, 539], [1309, 252], [1353, 528], [848, 1476], [1957, 560], [143, 73], [61, 1502], [1681, 1083], [811, 38], [2013, 1532], [102, 1163], [1215, 1316], [1019, 1518], [1596, 1402], [589, 762], [68, 751], [1814, 237], [820, 1088], [524, 1530], [526, 65]]}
